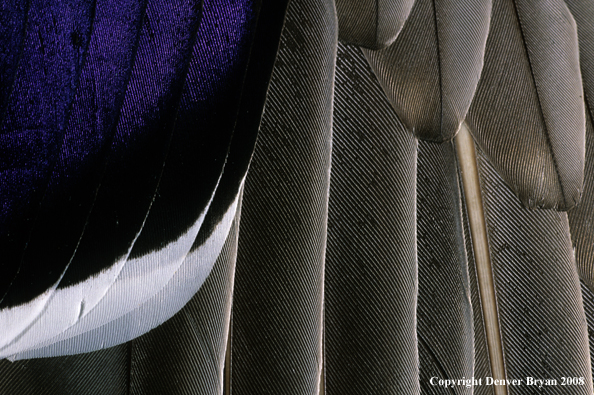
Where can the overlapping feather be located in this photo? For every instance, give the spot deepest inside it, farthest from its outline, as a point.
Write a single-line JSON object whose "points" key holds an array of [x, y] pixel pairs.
{"points": [[55, 58], [190, 349], [372, 24], [60, 221], [431, 71], [131, 184], [113, 306], [515, 116], [580, 218], [445, 325], [179, 206], [395, 210], [543, 327]]}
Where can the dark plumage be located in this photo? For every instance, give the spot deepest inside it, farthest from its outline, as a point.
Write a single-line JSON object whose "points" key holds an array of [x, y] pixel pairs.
{"points": [[304, 154]]}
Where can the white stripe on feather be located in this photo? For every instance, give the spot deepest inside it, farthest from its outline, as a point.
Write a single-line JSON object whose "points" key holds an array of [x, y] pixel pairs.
{"points": [[160, 307], [101, 299], [62, 309]]}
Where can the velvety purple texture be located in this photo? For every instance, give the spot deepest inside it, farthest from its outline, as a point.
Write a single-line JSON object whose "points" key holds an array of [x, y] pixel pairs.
{"points": [[13, 19], [36, 116], [90, 118]]}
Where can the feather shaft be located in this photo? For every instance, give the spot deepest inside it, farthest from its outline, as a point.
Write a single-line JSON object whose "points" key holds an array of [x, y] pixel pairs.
{"points": [[478, 229]]}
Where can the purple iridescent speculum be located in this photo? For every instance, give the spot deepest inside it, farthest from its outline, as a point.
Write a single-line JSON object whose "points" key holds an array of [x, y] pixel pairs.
{"points": [[112, 99]]}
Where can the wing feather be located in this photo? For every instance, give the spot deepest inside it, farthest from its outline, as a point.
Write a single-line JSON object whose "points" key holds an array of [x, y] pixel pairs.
{"points": [[445, 324], [541, 314], [372, 24], [430, 73], [531, 83], [277, 306], [371, 263]]}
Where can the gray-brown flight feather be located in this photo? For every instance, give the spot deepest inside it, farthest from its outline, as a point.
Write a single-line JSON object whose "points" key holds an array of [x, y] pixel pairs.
{"points": [[539, 299], [430, 73], [528, 112], [581, 218], [279, 282], [372, 24], [444, 312], [371, 262], [583, 14], [97, 373]]}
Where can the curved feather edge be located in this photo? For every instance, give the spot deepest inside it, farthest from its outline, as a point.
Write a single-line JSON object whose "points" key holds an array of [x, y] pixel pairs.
{"points": [[205, 122], [151, 313], [157, 267], [189, 349], [18, 276], [88, 301], [66, 220], [41, 78], [372, 24], [430, 73], [141, 142], [531, 82], [138, 281], [266, 48], [551, 40]]}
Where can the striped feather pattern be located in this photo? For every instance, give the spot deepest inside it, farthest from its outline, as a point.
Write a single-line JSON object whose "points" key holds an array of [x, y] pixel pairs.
{"points": [[580, 218], [372, 24], [191, 346], [371, 264], [61, 220], [583, 12], [116, 226], [445, 324], [543, 164], [431, 71], [355, 264], [543, 326], [98, 373], [588, 297], [550, 36], [277, 310]]}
